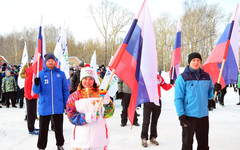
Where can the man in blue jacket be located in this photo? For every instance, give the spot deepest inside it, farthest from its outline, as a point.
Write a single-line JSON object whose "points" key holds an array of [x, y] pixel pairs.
{"points": [[193, 89], [53, 90]]}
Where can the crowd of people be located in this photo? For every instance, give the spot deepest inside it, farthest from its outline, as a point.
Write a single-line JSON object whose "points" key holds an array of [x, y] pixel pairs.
{"points": [[87, 107]]}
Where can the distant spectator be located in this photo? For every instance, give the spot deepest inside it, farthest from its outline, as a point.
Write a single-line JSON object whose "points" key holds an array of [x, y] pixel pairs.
{"points": [[9, 87], [76, 77]]}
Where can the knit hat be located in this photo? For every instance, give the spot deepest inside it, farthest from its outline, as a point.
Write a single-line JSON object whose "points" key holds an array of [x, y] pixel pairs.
{"points": [[160, 72], [81, 64], [49, 56], [87, 72], [194, 55]]}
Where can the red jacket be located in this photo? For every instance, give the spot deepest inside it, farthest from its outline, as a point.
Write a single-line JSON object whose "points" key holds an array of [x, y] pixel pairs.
{"points": [[28, 83], [163, 84]]}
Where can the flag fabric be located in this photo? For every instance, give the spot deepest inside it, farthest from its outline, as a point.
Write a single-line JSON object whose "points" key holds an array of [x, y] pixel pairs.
{"points": [[23, 62], [61, 54], [227, 49], [40, 51], [93, 64], [176, 58], [113, 86], [135, 62]]}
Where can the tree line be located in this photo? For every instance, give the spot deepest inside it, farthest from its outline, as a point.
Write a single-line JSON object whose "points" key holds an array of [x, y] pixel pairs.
{"points": [[201, 24]]}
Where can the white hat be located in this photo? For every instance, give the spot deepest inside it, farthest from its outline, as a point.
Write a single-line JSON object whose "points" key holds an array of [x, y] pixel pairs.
{"points": [[87, 72]]}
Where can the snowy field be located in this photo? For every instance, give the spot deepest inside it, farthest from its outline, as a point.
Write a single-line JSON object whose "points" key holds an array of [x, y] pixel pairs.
{"points": [[224, 128]]}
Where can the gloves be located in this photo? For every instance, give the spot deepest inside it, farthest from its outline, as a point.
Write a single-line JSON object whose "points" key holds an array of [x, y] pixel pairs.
{"points": [[37, 81], [103, 93], [217, 87], [183, 121], [172, 81], [91, 117], [119, 95]]}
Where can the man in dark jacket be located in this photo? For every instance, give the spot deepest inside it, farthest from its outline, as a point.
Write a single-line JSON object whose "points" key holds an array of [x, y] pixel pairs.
{"points": [[193, 90], [76, 77], [53, 90], [125, 93]]}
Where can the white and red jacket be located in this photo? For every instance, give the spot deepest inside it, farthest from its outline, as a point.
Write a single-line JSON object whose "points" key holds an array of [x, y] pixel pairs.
{"points": [[88, 134]]}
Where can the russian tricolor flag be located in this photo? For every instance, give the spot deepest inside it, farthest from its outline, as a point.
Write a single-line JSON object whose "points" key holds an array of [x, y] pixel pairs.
{"points": [[40, 51], [227, 52], [135, 62], [176, 58]]}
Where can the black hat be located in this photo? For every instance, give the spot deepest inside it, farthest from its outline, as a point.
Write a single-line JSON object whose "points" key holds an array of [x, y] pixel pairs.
{"points": [[160, 72], [81, 64], [49, 56], [194, 55]]}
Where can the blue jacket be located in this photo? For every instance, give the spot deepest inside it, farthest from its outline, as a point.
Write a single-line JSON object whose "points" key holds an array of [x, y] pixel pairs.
{"points": [[192, 93], [53, 91]]}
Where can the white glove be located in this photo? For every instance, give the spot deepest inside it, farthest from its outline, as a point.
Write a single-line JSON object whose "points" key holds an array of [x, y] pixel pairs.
{"points": [[90, 117], [106, 99]]}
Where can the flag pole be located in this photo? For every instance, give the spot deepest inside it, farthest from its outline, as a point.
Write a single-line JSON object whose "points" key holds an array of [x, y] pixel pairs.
{"points": [[172, 72], [109, 80], [225, 52], [39, 55]]}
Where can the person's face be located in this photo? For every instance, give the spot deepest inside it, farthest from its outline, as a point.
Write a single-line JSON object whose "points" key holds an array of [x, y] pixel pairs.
{"points": [[87, 82], [8, 73], [80, 67], [195, 63], [50, 63]]}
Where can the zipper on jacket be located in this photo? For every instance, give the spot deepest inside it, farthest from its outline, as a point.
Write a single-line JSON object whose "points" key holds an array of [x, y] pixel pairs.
{"points": [[52, 92]]}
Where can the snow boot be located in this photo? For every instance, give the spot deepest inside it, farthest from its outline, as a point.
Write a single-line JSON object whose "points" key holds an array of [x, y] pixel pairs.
{"points": [[144, 142], [154, 142]]}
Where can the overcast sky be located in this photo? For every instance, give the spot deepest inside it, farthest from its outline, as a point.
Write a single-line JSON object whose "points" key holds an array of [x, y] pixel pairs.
{"points": [[15, 14]]}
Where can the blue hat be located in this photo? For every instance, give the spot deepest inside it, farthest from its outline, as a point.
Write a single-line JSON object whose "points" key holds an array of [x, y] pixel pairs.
{"points": [[49, 56]]}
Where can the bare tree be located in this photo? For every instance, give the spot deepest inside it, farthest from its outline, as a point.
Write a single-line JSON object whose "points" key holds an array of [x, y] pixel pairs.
{"points": [[110, 19], [165, 30], [200, 23]]}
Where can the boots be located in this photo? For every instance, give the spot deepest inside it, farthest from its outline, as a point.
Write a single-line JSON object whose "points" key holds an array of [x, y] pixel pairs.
{"points": [[144, 142], [154, 142]]}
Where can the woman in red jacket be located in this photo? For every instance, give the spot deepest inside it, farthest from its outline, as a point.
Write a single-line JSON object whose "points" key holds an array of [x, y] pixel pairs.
{"points": [[151, 108], [31, 101]]}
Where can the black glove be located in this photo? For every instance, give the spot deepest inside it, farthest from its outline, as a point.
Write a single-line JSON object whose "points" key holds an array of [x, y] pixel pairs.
{"points": [[183, 121], [119, 95], [37, 81], [217, 87], [172, 81]]}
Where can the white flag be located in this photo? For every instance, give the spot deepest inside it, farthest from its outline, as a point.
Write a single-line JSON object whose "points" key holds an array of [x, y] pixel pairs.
{"points": [[113, 86], [23, 62], [61, 53], [93, 64]]}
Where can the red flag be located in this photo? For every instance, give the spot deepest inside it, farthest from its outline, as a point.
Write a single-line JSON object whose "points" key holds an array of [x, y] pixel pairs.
{"points": [[225, 52], [135, 62], [40, 51], [176, 58]]}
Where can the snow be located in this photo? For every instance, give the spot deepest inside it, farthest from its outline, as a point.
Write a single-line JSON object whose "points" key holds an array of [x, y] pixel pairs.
{"points": [[223, 134]]}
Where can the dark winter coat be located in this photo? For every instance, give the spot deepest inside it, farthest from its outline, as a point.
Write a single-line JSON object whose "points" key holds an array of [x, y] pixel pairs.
{"points": [[75, 80], [53, 91], [192, 93]]}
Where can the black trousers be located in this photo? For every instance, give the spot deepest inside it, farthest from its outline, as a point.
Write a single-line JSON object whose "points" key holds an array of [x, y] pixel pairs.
{"points": [[12, 96], [125, 103], [200, 127], [43, 130], [21, 97], [150, 109], [31, 113]]}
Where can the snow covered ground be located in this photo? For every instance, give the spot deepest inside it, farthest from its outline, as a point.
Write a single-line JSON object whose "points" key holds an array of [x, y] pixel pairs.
{"points": [[224, 128]]}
